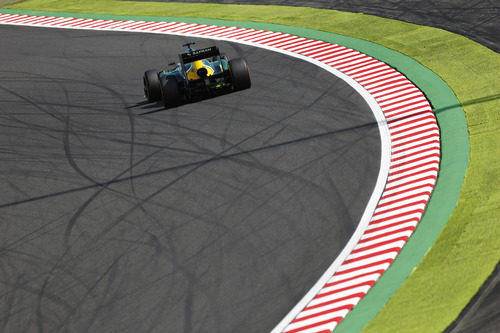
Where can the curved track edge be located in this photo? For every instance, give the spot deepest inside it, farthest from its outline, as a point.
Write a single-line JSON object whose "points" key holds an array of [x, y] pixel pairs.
{"points": [[436, 101]]}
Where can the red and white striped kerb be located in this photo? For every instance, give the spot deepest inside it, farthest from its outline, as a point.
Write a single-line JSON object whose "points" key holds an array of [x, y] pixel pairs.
{"points": [[414, 160]]}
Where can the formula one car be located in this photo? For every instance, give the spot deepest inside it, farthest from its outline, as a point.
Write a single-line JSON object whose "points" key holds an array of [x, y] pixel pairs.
{"points": [[199, 73]]}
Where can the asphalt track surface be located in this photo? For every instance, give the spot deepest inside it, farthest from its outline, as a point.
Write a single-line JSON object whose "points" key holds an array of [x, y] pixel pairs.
{"points": [[217, 216], [478, 20], [482, 312]]}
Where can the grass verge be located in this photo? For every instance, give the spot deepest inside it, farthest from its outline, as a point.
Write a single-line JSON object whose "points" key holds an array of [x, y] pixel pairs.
{"points": [[4, 3], [467, 249]]}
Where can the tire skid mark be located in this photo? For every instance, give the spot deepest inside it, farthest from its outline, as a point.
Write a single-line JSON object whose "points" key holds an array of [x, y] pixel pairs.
{"points": [[192, 167], [218, 156], [72, 221]]}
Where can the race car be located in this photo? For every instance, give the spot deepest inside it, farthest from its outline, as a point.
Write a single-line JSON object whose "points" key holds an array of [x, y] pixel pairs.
{"points": [[198, 73]]}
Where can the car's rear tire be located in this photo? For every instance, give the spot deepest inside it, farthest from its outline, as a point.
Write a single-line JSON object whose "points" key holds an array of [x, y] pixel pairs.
{"points": [[240, 74], [170, 92], [152, 89]]}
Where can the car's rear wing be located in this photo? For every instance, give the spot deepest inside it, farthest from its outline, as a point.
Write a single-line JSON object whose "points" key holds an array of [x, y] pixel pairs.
{"points": [[199, 54]]}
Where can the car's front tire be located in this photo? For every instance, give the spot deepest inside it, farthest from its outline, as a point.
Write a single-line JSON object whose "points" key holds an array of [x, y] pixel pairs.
{"points": [[152, 89], [170, 92], [240, 74]]}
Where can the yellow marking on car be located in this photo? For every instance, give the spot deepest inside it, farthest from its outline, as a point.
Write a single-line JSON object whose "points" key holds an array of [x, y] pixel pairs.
{"points": [[192, 74]]}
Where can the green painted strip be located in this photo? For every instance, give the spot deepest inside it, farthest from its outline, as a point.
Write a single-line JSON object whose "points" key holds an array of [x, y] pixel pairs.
{"points": [[454, 159]]}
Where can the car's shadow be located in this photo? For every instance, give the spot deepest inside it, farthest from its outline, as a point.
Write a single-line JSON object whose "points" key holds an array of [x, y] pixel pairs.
{"points": [[154, 107], [148, 107]]}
